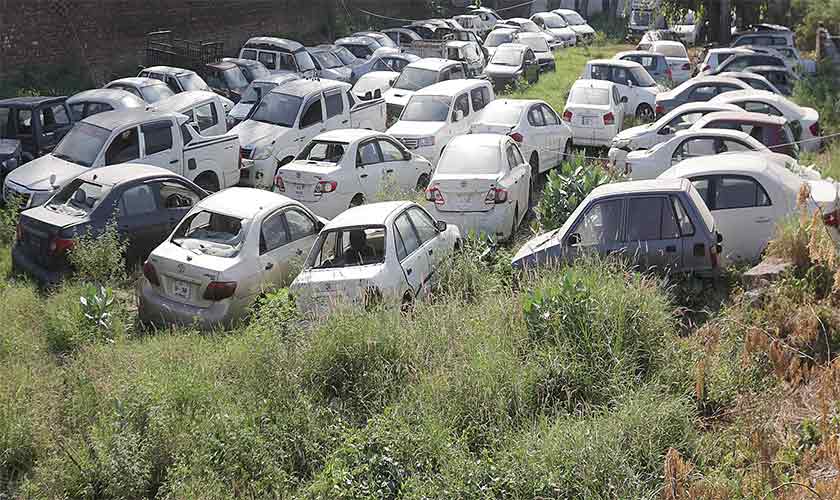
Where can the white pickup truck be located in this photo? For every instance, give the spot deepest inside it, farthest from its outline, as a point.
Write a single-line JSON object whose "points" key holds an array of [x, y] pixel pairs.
{"points": [[166, 140], [290, 116]]}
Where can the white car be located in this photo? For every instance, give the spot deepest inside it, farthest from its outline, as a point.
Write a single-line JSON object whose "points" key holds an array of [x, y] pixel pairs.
{"points": [[649, 135], [804, 121], [255, 91], [677, 58], [346, 168], [632, 81], [383, 252], [583, 32], [206, 110], [749, 194], [418, 75], [91, 102], [148, 89], [650, 163], [482, 184], [439, 112], [374, 84], [229, 248], [714, 57], [557, 26], [594, 112], [544, 139]]}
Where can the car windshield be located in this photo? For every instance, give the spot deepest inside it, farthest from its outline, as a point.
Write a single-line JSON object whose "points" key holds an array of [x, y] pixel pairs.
{"points": [[255, 72], [589, 96], [671, 50], [507, 57], [501, 112], [278, 109], [211, 233], [78, 198], [345, 55], [643, 78], [155, 93], [537, 43], [554, 21], [574, 19], [82, 144], [416, 78], [192, 81], [234, 78], [426, 108], [348, 247], [304, 60], [327, 60], [496, 38], [483, 159], [323, 151], [529, 27], [256, 91]]}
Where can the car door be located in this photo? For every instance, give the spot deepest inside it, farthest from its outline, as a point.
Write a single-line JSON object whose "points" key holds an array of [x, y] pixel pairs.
{"points": [[336, 116], [370, 169], [303, 231], [141, 220], [124, 147], [54, 122], [177, 198], [555, 137], [598, 230], [158, 146], [414, 262], [518, 178], [398, 166], [274, 254], [537, 138], [432, 243], [532, 67], [621, 77], [652, 234], [311, 121]]}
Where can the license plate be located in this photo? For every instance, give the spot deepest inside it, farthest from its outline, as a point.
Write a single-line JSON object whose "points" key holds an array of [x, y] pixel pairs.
{"points": [[465, 199], [586, 121], [181, 289]]}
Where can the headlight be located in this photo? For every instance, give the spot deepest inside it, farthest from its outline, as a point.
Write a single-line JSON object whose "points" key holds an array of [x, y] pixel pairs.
{"points": [[426, 141], [621, 143]]}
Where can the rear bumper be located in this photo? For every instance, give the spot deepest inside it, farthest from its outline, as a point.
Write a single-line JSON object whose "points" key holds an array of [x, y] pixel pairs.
{"points": [[257, 173], [23, 264], [495, 223], [602, 137], [156, 309]]}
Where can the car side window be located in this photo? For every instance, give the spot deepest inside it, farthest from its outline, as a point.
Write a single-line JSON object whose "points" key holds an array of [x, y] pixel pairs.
{"points": [[368, 154], [407, 235], [760, 107], [535, 117], [157, 137], [205, 116], [390, 152], [549, 116], [478, 98], [645, 221], [55, 117], [351, 101], [703, 92], [249, 54], [683, 220], [457, 73], [600, 224], [125, 147], [312, 114], [334, 104], [78, 111], [424, 224], [268, 59], [94, 108], [273, 233], [616, 96], [186, 135], [138, 200], [172, 83], [175, 195], [600, 72], [621, 76], [462, 102], [739, 192], [300, 224]]}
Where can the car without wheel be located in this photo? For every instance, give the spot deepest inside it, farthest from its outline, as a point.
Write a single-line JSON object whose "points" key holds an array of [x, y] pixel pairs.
{"points": [[250, 68], [749, 194], [144, 203], [419, 75], [660, 224], [34, 124], [594, 112], [555, 24], [632, 81], [230, 248], [699, 89], [482, 184], [583, 32], [177, 79], [346, 168], [388, 252]]}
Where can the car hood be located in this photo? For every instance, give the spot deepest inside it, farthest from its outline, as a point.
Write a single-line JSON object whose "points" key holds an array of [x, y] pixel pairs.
{"points": [[240, 111], [398, 96], [501, 70], [633, 132], [415, 129], [584, 29], [35, 175], [529, 253], [562, 32], [251, 132], [8, 147]]}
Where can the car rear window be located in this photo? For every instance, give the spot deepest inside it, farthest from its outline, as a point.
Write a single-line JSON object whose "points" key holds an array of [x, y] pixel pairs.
{"points": [[467, 159], [323, 151], [78, 199], [348, 247], [597, 97], [211, 233]]}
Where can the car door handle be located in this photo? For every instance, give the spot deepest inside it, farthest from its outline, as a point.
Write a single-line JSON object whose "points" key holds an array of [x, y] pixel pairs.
{"points": [[671, 249], [389, 171], [269, 266], [344, 121], [409, 271], [431, 251], [173, 162], [363, 176], [762, 220], [299, 252]]}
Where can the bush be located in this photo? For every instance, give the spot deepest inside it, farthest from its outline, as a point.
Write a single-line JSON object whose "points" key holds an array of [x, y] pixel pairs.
{"points": [[82, 314], [274, 313], [99, 258], [9, 216], [565, 189]]}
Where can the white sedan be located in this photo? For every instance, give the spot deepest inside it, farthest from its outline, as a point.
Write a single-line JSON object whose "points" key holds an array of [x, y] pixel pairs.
{"points": [[347, 167], [633, 82], [650, 163], [544, 139], [649, 135], [594, 112], [229, 248], [749, 194], [805, 122], [383, 252], [483, 184], [677, 58]]}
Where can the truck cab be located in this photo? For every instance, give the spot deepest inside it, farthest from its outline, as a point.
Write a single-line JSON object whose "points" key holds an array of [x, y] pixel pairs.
{"points": [[279, 55], [205, 110], [177, 79], [226, 79], [38, 123]]}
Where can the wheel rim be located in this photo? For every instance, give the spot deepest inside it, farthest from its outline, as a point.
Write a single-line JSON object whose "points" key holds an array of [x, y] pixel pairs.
{"points": [[357, 201], [645, 113]]}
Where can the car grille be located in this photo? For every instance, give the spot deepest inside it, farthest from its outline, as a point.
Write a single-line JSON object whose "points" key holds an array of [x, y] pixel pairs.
{"points": [[409, 143], [246, 153], [9, 194]]}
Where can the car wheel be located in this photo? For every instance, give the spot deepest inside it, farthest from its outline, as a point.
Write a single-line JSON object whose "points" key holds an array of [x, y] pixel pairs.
{"points": [[357, 200], [535, 176], [208, 182], [407, 304], [644, 113], [423, 182], [515, 224], [567, 151]]}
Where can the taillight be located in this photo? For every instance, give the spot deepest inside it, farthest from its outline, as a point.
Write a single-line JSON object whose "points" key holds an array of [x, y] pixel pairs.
{"points": [[325, 187], [815, 129], [609, 119], [219, 290], [60, 245], [686, 67], [434, 194], [150, 273], [279, 184], [567, 116], [516, 136], [495, 196], [660, 109], [832, 219]]}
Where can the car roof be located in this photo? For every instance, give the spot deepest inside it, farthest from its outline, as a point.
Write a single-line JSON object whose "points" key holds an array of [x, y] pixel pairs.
{"points": [[745, 116], [115, 174], [110, 95], [646, 186], [722, 132], [518, 20], [168, 70], [504, 29], [593, 84], [527, 34], [137, 81], [182, 100], [757, 94], [30, 101], [278, 78], [356, 39], [374, 214], [730, 49], [615, 62], [242, 62], [515, 103], [125, 117], [289, 45], [647, 53], [303, 86], [514, 46], [711, 79], [742, 161], [379, 76], [564, 11], [781, 69], [450, 87], [433, 63], [245, 203], [223, 65], [348, 135]]}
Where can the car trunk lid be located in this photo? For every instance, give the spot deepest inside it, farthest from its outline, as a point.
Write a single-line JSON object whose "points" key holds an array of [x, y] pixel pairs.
{"points": [[589, 116], [184, 274], [464, 192], [491, 128], [40, 229], [300, 178]]}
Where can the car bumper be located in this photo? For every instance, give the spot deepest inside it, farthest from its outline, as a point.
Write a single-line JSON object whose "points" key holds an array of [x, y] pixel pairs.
{"points": [[495, 223], [156, 309], [328, 206], [618, 158], [582, 136], [23, 264]]}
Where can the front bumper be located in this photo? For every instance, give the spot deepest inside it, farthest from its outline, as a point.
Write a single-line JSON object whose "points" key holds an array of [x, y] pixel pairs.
{"points": [[24, 264], [158, 310], [495, 223], [618, 158], [257, 173]]}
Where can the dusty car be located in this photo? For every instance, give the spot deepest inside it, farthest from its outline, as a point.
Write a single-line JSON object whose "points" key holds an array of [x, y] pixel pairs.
{"points": [[228, 249], [594, 112], [498, 37], [583, 31], [226, 79], [772, 131], [387, 252], [418, 75], [541, 50], [557, 26], [632, 81], [482, 184], [206, 110], [329, 66], [91, 102], [36, 123], [700, 89], [254, 94], [148, 89], [278, 55], [660, 224], [177, 79], [374, 84], [749, 194], [144, 202], [345, 168], [754, 80], [655, 64], [511, 65], [250, 68], [779, 76]]}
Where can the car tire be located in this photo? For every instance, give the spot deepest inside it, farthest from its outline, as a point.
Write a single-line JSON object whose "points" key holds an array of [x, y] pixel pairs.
{"points": [[534, 161], [208, 182], [645, 113], [422, 182], [567, 151], [407, 304], [515, 224], [357, 200]]}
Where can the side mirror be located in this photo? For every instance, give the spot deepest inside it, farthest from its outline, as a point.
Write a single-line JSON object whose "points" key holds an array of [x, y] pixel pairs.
{"points": [[629, 84], [368, 95], [407, 156], [573, 240], [459, 115], [440, 226], [666, 130], [52, 180], [623, 99], [377, 94]]}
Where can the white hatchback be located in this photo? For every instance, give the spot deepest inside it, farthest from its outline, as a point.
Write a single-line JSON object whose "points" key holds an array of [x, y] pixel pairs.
{"points": [[383, 252], [229, 248], [677, 58], [345, 168], [594, 112], [483, 184], [544, 139]]}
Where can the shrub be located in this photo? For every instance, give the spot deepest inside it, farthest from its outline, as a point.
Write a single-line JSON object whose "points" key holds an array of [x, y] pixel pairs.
{"points": [[478, 269], [565, 189], [9, 216], [274, 313], [99, 258], [82, 314]]}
